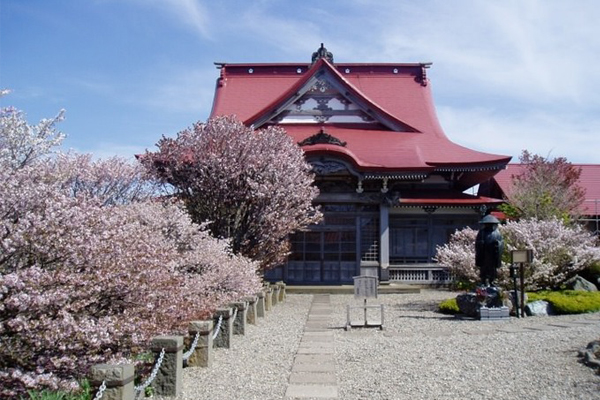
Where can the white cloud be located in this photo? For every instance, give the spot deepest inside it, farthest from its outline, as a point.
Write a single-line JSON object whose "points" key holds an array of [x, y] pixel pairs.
{"points": [[540, 51], [572, 136], [174, 89], [104, 150], [183, 90], [191, 12]]}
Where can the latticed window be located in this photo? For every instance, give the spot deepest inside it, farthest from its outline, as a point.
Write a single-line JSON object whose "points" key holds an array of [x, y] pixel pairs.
{"points": [[369, 239]]}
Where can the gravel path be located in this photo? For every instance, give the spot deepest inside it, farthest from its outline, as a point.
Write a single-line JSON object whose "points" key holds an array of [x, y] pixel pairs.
{"points": [[420, 355]]}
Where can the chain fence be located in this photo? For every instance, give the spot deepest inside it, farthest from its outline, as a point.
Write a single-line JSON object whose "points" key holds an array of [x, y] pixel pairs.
{"points": [[139, 389], [100, 391], [189, 353], [218, 327]]}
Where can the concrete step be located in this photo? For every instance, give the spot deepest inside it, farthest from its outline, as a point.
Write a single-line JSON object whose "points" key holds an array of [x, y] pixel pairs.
{"points": [[349, 289]]}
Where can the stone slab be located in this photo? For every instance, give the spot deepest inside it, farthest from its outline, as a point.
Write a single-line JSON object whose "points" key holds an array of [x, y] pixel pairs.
{"points": [[315, 350], [316, 329], [313, 377], [317, 339], [313, 324], [321, 319], [321, 367], [320, 311], [313, 358], [315, 345], [314, 391], [319, 334]]}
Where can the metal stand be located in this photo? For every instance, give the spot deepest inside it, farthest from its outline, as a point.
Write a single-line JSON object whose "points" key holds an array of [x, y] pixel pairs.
{"points": [[513, 274], [364, 287]]}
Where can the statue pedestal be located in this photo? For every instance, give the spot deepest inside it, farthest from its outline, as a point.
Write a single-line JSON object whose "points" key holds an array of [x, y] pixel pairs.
{"points": [[494, 313], [485, 303]]}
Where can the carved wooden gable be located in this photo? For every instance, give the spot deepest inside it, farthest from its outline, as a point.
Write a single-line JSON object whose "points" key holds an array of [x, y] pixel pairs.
{"points": [[323, 102], [326, 97]]}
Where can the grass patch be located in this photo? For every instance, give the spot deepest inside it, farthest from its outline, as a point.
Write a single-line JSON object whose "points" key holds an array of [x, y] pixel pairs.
{"points": [[563, 302], [569, 301], [85, 393], [449, 307]]}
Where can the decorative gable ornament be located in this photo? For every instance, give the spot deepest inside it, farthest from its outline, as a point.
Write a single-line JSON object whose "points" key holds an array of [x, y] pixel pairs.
{"points": [[322, 53], [321, 138]]}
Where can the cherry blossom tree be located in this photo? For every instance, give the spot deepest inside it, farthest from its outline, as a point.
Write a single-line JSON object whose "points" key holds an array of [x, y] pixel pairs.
{"points": [[254, 185], [92, 266], [560, 251], [21, 143], [545, 189]]}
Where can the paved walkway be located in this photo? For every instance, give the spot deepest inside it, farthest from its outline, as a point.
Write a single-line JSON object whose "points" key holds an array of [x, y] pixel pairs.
{"points": [[314, 371]]}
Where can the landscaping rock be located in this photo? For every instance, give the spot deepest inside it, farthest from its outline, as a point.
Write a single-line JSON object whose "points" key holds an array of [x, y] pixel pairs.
{"points": [[468, 304], [590, 354], [578, 283], [539, 308]]}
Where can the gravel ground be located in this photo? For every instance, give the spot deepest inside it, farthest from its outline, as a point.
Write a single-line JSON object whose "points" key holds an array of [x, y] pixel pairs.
{"points": [[258, 364], [425, 355], [420, 355]]}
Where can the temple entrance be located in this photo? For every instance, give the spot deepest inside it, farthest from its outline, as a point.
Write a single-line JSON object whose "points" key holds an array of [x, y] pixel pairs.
{"points": [[327, 256]]}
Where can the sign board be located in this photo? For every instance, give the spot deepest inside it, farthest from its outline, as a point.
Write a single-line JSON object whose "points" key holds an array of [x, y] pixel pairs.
{"points": [[365, 287], [522, 256]]}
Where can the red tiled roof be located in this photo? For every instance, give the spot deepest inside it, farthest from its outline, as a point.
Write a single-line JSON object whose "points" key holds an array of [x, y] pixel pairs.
{"points": [[588, 180], [444, 198], [399, 92]]}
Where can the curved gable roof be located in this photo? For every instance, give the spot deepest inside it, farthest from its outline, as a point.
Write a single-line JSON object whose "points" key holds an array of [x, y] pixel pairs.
{"points": [[404, 136], [322, 69]]}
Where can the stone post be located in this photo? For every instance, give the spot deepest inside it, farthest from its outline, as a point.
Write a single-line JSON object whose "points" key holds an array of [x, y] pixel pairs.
{"points": [[223, 338], [282, 294], [168, 381], [204, 355], [268, 298], [260, 304], [275, 293], [239, 322], [251, 315], [117, 378]]}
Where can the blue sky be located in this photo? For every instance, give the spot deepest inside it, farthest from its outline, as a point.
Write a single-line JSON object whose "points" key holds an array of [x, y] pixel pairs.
{"points": [[506, 75]]}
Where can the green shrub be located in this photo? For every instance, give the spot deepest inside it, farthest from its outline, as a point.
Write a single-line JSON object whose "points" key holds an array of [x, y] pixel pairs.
{"points": [[449, 307], [569, 301]]}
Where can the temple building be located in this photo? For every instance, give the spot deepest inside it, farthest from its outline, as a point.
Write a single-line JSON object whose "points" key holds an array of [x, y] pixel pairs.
{"points": [[392, 185]]}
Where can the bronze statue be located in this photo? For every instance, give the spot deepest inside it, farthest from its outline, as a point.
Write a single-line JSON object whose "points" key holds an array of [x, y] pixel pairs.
{"points": [[488, 250]]}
